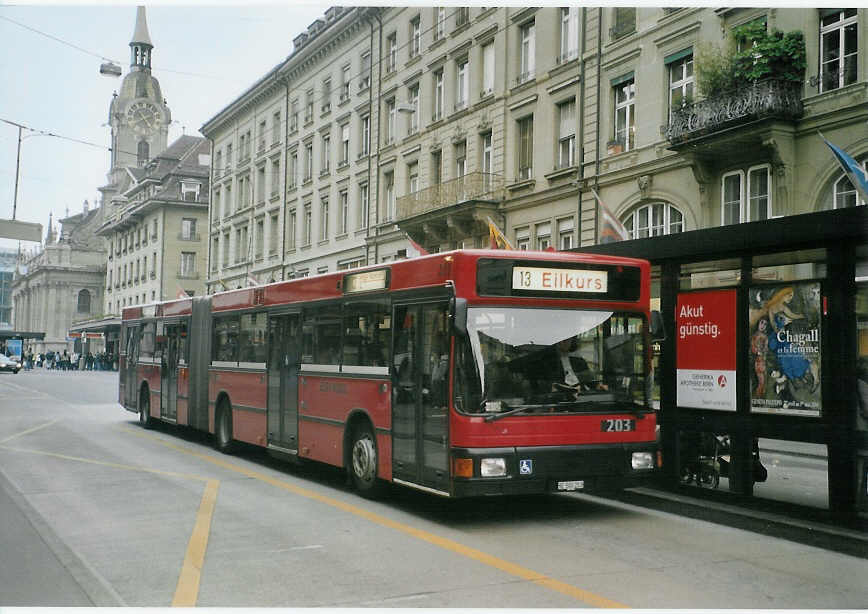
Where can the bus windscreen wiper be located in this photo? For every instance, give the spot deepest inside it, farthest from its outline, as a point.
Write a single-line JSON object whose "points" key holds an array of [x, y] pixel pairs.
{"points": [[509, 411]]}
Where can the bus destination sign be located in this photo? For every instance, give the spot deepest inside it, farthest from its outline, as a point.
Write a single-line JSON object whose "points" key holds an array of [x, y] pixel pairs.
{"points": [[559, 280], [366, 281]]}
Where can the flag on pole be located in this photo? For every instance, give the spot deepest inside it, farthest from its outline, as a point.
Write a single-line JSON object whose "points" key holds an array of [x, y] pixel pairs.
{"points": [[181, 292], [496, 238], [854, 171], [422, 251], [611, 230]]}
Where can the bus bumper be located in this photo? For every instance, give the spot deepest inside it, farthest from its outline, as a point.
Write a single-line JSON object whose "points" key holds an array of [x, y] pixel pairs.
{"points": [[534, 470]]}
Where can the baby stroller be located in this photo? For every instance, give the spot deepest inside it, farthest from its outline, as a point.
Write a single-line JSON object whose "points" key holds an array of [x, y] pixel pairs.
{"points": [[706, 460], [711, 461]]}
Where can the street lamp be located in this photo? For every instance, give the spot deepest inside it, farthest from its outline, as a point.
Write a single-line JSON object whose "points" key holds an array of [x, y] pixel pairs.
{"points": [[109, 69]]}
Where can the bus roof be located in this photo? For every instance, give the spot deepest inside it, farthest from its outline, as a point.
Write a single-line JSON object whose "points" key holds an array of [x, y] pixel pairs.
{"points": [[429, 271]]}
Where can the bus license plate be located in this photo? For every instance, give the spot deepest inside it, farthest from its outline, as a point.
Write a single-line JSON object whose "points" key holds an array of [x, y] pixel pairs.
{"points": [[571, 485], [617, 425]]}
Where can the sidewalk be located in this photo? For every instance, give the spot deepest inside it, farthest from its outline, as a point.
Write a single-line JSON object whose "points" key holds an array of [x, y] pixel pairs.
{"points": [[793, 448], [847, 540], [37, 569]]}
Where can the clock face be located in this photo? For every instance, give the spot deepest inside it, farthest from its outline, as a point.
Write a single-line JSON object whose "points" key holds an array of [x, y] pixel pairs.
{"points": [[144, 117]]}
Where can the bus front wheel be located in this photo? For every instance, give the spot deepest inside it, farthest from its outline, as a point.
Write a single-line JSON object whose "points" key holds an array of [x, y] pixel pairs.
{"points": [[223, 428], [363, 463]]}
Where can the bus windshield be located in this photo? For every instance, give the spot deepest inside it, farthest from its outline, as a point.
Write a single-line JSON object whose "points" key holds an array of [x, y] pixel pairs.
{"points": [[522, 360]]}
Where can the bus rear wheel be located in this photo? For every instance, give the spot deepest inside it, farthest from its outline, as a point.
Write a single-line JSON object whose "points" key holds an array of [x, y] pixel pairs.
{"points": [[145, 409], [363, 463], [223, 428]]}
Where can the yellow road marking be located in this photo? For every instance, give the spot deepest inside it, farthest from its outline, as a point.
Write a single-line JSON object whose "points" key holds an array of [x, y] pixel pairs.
{"points": [[28, 431], [107, 463], [442, 542], [187, 591]]}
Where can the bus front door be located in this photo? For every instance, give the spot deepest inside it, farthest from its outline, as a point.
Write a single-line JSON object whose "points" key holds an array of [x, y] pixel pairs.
{"points": [[283, 362], [420, 418], [169, 375]]}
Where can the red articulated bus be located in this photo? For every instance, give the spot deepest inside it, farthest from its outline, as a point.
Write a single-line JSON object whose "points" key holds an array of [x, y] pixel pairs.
{"points": [[473, 372]]}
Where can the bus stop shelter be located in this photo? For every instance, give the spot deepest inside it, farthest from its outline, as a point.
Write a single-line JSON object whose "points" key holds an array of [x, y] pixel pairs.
{"points": [[23, 336], [766, 333], [100, 335]]}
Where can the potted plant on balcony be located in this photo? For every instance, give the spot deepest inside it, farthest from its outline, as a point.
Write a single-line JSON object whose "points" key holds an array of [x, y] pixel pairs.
{"points": [[751, 54]]}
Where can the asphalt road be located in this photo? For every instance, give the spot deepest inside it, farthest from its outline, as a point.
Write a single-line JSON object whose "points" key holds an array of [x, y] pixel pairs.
{"points": [[96, 510]]}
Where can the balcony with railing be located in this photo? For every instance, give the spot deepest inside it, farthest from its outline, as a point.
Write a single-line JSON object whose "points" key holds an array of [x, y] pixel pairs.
{"points": [[771, 99], [450, 211]]}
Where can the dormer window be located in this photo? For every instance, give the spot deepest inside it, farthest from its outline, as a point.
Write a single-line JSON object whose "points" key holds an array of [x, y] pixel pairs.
{"points": [[190, 191]]}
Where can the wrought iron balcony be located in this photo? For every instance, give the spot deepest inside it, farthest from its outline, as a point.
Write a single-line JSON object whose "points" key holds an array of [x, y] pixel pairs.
{"points": [[469, 187], [768, 99]]}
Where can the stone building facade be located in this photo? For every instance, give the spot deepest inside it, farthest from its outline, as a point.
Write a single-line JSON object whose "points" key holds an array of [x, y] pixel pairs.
{"points": [[389, 123], [156, 246], [62, 283]]}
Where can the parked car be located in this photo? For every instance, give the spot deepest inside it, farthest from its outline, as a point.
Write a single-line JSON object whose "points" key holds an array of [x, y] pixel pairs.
{"points": [[9, 364]]}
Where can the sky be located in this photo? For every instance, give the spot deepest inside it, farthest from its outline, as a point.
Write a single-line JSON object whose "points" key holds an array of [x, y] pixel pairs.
{"points": [[205, 56]]}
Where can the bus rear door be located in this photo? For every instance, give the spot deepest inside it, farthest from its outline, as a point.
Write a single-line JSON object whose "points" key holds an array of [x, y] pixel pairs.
{"points": [[420, 419], [169, 374], [284, 351], [131, 393]]}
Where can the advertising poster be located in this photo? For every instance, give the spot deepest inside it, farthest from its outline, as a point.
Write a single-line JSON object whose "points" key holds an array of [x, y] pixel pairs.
{"points": [[13, 347], [785, 349], [705, 349]]}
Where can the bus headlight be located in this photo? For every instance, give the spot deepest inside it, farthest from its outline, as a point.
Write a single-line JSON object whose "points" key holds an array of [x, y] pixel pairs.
{"points": [[642, 460], [492, 467]]}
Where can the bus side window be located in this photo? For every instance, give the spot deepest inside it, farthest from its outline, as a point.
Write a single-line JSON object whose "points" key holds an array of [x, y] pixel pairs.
{"points": [[365, 341], [327, 338], [182, 344], [146, 346], [225, 346], [307, 338], [252, 337]]}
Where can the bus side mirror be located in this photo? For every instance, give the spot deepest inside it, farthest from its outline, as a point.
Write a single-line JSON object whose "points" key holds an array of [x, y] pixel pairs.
{"points": [[658, 331], [459, 315]]}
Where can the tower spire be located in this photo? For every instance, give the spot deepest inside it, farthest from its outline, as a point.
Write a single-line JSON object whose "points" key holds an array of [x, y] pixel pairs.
{"points": [[141, 45], [49, 239]]}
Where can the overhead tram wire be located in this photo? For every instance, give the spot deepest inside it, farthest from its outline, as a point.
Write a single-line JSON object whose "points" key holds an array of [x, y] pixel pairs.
{"points": [[101, 57], [318, 99], [64, 138], [379, 61]]}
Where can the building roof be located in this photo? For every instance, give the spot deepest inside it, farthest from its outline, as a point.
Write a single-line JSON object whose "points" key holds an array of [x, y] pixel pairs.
{"points": [[187, 158], [140, 34]]}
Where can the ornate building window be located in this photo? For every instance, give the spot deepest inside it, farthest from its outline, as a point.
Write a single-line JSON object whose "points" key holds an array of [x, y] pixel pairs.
{"points": [[746, 195], [142, 153], [84, 301], [838, 47], [845, 194], [654, 220]]}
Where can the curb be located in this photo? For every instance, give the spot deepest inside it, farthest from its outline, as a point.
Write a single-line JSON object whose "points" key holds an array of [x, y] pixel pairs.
{"points": [[845, 540], [97, 588]]}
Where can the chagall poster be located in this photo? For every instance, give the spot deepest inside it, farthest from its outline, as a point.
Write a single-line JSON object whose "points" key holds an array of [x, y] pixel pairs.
{"points": [[785, 349]]}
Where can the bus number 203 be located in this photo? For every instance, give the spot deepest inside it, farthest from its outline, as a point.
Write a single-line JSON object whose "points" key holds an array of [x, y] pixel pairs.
{"points": [[617, 425]]}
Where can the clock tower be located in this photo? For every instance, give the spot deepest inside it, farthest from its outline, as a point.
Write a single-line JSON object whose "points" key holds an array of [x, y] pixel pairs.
{"points": [[138, 115]]}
